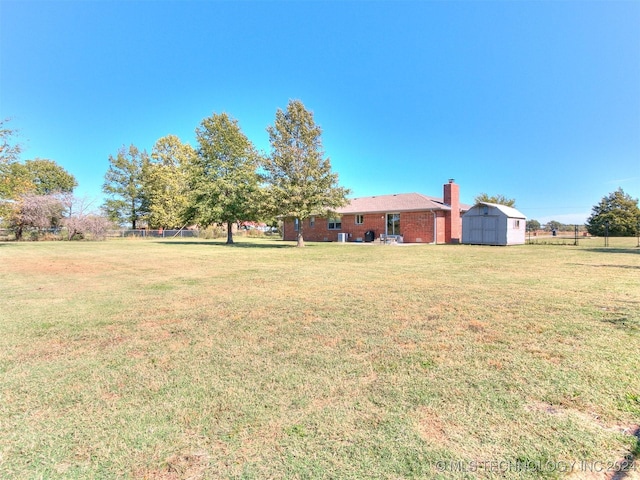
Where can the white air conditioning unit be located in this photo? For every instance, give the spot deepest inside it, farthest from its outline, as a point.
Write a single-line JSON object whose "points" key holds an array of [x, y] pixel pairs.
{"points": [[342, 237]]}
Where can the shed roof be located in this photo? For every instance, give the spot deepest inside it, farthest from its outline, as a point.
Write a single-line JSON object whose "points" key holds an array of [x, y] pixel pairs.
{"points": [[401, 202], [508, 211]]}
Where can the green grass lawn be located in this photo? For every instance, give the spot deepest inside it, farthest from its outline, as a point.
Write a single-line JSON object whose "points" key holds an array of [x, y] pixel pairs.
{"points": [[192, 359]]}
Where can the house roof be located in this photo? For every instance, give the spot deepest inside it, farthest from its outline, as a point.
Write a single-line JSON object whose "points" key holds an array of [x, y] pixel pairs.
{"points": [[508, 211], [401, 202]]}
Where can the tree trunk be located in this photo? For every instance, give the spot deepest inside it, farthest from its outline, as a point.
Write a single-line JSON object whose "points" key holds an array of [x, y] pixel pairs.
{"points": [[229, 233], [300, 238]]}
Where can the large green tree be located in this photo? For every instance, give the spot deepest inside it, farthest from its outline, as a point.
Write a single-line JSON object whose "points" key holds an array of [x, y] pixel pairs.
{"points": [[165, 182], [301, 181], [498, 199], [618, 212], [37, 176], [123, 186], [31, 178], [224, 180], [30, 190], [47, 177]]}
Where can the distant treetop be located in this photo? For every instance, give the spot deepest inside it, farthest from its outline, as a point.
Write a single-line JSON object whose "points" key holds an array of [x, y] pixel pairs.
{"points": [[499, 199]]}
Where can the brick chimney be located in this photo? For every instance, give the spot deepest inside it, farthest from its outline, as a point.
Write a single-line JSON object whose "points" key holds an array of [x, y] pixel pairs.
{"points": [[453, 221]]}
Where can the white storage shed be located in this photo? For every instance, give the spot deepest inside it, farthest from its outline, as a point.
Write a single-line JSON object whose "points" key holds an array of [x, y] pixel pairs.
{"points": [[493, 224]]}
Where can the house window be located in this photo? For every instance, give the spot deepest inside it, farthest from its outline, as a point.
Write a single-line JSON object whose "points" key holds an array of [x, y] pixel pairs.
{"points": [[296, 224], [516, 224], [359, 219], [312, 222], [393, 224], [335, 224]]}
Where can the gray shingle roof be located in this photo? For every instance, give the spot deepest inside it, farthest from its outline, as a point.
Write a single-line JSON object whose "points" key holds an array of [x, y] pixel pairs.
{"points": [[401, 202]]}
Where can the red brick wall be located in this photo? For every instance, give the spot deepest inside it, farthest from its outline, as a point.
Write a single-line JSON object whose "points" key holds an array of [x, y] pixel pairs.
{"points": [[453, 228], [321, 233], [441, 218], [415, 227], [371, 221]]}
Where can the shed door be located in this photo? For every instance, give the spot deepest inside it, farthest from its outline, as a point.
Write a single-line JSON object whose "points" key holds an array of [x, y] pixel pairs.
{"points": [[475, 226], [484, 230], [490, 230]]}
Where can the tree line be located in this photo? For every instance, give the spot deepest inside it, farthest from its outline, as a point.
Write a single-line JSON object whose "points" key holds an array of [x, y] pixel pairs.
{"points": [[223, 180], [37, 195], [617, 215]]}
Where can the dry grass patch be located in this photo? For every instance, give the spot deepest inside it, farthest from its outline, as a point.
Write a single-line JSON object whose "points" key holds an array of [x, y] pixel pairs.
{"points": [[431, 428], [152, 359]]}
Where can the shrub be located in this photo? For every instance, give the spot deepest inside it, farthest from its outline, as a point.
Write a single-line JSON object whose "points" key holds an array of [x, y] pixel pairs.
{"points": [[254, 233], [212, 232]]}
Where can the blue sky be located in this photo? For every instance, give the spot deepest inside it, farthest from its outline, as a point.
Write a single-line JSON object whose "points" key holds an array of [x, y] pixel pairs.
{"points": [[538, 101]]}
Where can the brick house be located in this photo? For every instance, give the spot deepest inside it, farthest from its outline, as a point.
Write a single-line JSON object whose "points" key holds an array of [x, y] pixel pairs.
{"points": [[408, 217]]}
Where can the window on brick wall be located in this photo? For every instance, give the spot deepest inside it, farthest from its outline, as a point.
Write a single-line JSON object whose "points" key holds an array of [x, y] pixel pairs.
{"points": [[296, 224], [393, 224], [335, 224], [312, 222], [359, 219]]}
